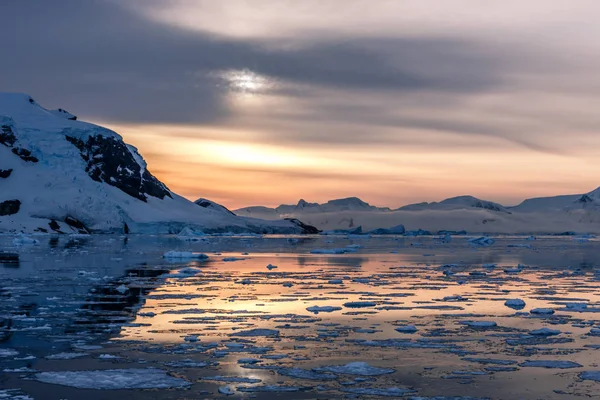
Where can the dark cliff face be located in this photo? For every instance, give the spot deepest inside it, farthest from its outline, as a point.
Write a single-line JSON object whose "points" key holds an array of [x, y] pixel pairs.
{"points": [[109, 160], [10, 207]]}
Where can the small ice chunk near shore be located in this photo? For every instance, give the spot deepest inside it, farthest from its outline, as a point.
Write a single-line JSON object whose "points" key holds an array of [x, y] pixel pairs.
{"points": [[113, 379]]}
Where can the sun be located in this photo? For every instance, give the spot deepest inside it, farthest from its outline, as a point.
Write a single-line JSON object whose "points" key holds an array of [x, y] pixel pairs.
{"points": [[246, 81]]}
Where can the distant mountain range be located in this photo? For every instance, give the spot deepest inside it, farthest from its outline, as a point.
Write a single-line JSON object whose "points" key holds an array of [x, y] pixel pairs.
{"points": [[557, 214]]}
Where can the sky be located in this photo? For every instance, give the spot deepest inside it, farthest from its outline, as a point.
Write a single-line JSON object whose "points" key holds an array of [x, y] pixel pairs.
{"points": [[263, 102]]}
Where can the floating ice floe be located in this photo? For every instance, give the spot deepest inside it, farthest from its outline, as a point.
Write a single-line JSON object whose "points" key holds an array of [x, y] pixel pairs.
{"points": [[270, 389], [256, 332], [271, 267], [590, 376], [13, 394], [479, 324], [226, 390], [355, 368], [449, 398], [248, 361], [544, 332], [381, 392], [66, 356], [113, 379], [231, 379], [232, 259], [550, 364], [323, 309], [306, 374], [359, 304], [455, 298], [184, 255], [542, 311], [494, 361], [25, 241], [515, 304], [8, 353], [406, 329], [333, 251], [482, 241]]}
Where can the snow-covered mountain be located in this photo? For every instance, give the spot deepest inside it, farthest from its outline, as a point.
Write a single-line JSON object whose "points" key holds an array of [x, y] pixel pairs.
{"points": [[303, 207], [58, 174], [570, 213], [538, 204], [457, 203]]}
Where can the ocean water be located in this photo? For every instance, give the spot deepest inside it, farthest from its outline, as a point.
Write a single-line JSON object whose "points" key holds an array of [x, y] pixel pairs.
{"points": [[299, 317]]}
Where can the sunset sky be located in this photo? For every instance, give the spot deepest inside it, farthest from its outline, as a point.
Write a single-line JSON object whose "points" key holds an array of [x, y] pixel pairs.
{"points": [[262, 102]]}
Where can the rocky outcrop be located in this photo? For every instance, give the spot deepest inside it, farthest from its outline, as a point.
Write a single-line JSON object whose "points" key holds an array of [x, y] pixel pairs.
{"points": [[10, 207], [5, 173], [205, 203], [109, 160], [9, 139], [306, 229]]}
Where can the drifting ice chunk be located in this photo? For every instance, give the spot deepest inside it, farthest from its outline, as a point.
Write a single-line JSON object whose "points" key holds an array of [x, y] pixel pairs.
{"points": [[114, 379], [25, 241], [356, 368], [8, 353], [327, 309], [306, 374], [184, 255], [226, 390], [479, 324], [406, 329], [359, 304], [542, 311], [515, 304], [382, 392], [544, 332], [66, 356], [271, 267], [256, 332], [482, 241], [590, 376], [269, 389], [332, 251], [232, 259], [550, 364]]}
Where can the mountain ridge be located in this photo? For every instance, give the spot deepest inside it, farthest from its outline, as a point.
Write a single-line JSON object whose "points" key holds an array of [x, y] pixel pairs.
{"points": [[61, 175]]}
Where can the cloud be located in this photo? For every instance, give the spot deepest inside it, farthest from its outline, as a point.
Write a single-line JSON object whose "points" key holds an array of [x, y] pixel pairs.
{"points": [[105, 61]]}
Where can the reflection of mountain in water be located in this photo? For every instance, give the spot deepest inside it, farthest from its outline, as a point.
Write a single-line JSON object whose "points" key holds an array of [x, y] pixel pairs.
{"points": [[115, 303]]}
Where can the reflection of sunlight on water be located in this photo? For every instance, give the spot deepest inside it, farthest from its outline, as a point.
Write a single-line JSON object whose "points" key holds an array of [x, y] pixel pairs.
{"points": [[228, 305]]}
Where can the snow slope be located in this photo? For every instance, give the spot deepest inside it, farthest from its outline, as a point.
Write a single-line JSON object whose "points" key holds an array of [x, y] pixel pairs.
{"points": [[60, 174], [457, 203]]}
